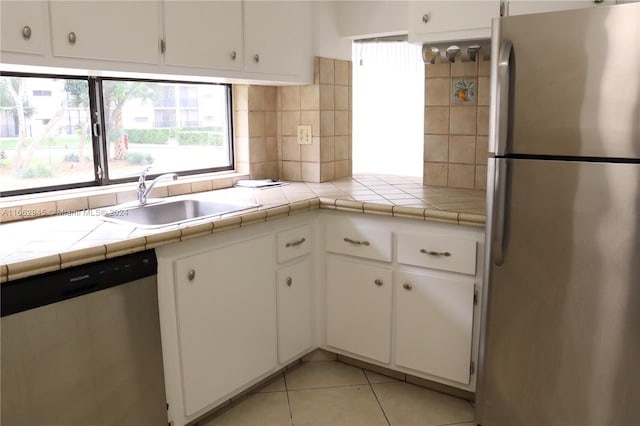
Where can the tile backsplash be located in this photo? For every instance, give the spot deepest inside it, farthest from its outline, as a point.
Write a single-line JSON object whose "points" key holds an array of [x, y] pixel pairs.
{"points": [[456, 124], [255, 130], [266, 121]]}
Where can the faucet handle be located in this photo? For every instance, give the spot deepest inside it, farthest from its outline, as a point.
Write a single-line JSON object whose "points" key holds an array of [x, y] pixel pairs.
{"points": [[143, 174]]}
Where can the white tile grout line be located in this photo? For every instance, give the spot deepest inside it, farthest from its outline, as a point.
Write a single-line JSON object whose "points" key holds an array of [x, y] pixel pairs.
{"points": [[376, 396]]}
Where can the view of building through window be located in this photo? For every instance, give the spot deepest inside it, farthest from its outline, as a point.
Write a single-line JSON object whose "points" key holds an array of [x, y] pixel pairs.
{"points": [[46, 130], [170, 126], [45, 134]]}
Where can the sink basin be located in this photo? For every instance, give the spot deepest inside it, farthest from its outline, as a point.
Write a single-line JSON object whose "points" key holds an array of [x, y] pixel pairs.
{"points": [[171, 212]]}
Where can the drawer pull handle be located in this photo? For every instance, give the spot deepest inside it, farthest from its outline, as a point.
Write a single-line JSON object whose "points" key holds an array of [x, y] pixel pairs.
{"points": [[191, 274], [295, 243], [378, 282], [435, 253], [289, 281], [357, 243], [407, 286]]}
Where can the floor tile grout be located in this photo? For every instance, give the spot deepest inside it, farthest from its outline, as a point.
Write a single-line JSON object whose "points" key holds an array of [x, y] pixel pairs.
{"points": [[349, 389], [329, 387], [376, 396], [286, 389]]}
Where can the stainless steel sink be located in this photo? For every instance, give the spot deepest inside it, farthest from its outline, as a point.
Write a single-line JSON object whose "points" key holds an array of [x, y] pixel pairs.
{"points": [[171, 212]]}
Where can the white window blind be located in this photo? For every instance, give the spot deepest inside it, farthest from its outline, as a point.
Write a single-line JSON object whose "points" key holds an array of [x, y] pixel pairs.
{"points": [[388, 108]]}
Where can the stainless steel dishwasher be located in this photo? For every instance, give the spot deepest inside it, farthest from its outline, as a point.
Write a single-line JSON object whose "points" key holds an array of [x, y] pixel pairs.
{"points": [[81, 346]]}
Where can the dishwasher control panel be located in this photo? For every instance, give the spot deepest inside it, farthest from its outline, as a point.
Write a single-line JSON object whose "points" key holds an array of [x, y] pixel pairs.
{"points": [[32, 292]]}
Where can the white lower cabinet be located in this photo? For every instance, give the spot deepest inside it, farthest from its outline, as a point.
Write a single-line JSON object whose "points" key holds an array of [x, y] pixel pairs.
{"points": [[230, 314], [359, 308], [402, 294], [237, 306], [434, 324], [226, 318], [294, 310]]}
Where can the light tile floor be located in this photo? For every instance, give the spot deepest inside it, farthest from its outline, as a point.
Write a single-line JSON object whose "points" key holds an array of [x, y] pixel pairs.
{"points": [[337, 394]]}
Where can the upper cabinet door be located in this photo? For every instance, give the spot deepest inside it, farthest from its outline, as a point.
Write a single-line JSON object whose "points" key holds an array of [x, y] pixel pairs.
{"points": [[203, 34], [23, 26], [278, 37], [522, 7], [106, 29], [435, 21]]}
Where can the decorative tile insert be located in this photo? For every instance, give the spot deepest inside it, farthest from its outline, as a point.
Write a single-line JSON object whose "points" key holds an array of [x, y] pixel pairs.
{"points": [[464, 91]]}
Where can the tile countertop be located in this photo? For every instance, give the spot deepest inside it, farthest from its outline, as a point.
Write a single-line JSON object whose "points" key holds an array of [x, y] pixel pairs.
{"points": [[36, 246]]}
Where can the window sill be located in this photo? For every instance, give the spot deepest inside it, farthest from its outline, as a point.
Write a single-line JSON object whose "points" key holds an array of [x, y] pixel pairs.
{"points": [[23, 207]]}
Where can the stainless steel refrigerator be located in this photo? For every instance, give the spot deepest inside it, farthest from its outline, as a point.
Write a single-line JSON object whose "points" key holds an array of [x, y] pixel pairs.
{"points": [[561, 321]]}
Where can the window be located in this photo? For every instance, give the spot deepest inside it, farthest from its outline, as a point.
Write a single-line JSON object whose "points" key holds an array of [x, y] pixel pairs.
{"points": [[167, 96], [46, 142], [165, 118], [188, 96]]}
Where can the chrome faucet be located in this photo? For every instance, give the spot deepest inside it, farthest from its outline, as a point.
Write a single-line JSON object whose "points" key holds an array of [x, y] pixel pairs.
{"points": [[143, 189]]}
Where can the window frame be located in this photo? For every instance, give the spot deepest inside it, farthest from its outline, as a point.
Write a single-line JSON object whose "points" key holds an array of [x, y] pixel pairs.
{"points": [[98, 134]]}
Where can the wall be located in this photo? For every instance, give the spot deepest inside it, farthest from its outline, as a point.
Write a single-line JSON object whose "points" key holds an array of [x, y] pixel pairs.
{"points": [[255, 130], [455, 133], [266, 120], [327, 41], [366, 19]]}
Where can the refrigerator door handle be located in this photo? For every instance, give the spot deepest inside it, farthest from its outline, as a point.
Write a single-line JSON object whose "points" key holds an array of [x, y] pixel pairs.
{"points": [[500, 110], [501, 203]]}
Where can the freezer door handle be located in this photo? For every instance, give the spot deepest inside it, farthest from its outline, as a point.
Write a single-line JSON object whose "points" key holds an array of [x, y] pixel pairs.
{"points": [[501, 203], [501, 108]]}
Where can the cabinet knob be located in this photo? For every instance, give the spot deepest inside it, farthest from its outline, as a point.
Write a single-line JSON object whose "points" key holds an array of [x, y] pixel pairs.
{"points": [[72, 38], [191, 274], [256, 58], [26, 32], [233, 55], [289, 281], [425, 18], [407, 286], [378, 282]]}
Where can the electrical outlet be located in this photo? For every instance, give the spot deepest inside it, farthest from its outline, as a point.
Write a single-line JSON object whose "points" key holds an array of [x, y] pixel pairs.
{"points": [[304, 135]]}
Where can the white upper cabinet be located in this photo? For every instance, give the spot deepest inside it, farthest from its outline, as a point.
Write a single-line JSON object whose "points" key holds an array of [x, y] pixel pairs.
{"points": [[435, 21], [278, 38], [203, 34], [261, 37], [108, 30], [522, 7], [270, 41], [23, 26]]}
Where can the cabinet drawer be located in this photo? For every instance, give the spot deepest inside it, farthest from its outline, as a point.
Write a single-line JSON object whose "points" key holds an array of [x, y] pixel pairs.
{"points": [[293, 243], [437, 252], [369, 243]]}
